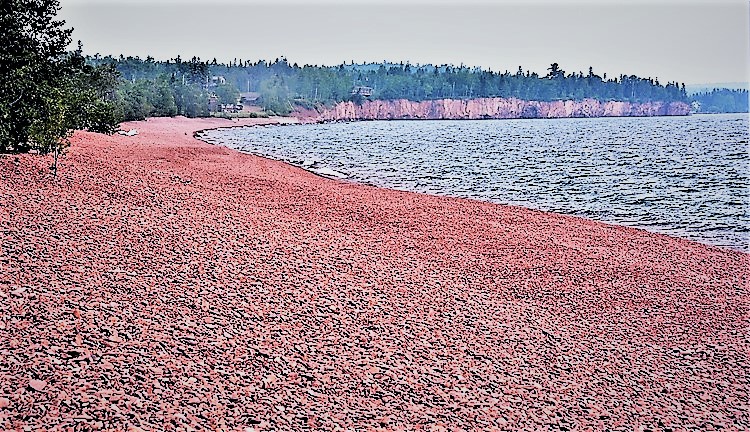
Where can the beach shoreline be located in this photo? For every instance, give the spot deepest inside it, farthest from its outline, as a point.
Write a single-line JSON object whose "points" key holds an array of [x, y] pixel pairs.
{"points": [[160, 280], [327, 167]]}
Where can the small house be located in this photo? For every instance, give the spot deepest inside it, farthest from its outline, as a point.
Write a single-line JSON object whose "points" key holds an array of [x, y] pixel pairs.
{"points": [[362, 91], [218, 80]]}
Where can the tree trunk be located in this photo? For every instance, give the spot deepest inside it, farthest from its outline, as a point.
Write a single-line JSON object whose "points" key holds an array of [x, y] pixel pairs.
{"points": [[54, 165]]}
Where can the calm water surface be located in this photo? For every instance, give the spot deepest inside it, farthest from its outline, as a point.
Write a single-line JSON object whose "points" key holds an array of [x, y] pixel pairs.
{"points": [[683, 176]]}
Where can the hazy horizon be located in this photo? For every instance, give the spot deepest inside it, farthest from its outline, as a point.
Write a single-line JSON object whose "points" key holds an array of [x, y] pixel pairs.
{"points": [[692, 42]]}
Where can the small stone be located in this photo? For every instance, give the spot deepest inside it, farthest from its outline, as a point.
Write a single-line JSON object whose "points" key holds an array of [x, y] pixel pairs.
{"points": [[19, 291], [271, 378], [4, 402], [37, 385]]}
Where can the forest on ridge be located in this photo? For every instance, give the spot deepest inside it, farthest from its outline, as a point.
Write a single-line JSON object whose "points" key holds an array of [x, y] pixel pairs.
{"points": [[179, 87]]}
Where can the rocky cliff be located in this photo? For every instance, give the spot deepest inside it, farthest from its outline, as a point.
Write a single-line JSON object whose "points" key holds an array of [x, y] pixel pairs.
{"points": [[496, 108]]}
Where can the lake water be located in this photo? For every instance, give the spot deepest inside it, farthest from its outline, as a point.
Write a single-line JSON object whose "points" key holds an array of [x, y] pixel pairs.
{"points": [[682, 176]]}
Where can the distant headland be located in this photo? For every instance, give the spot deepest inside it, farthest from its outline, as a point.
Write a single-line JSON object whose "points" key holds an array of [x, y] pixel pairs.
{"points": [[196, 88]]}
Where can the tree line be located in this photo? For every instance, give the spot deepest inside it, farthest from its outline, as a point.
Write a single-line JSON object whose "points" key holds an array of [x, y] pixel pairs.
{"points": [[310, 85], [46, 91], [284, 86], [721, 101], [147, 88]]}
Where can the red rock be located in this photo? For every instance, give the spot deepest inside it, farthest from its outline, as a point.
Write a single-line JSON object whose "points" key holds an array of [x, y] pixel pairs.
{"points": [[37, 385], [497, 108], [4, 402], [351, 307], [19, 291]]}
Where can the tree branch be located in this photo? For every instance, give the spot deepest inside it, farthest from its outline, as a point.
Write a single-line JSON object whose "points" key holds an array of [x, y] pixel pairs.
{"points": [[17, 99]]}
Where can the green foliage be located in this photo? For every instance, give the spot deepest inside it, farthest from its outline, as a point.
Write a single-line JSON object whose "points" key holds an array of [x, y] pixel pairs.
{"points": [[134, 100], [721, 101], [162, 99], [282, 86], [46, 92], [49, 129], [227, 93], [192, 100], [162, 96], [148, 88], [275, 96], [328, 85], [358, 99]]}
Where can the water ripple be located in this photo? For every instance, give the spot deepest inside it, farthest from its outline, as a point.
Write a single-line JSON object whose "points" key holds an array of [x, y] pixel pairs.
{"points": [[682, 176]]}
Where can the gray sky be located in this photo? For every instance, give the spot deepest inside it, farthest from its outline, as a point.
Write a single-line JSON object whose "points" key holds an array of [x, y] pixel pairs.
{"points": [[685, 41]]}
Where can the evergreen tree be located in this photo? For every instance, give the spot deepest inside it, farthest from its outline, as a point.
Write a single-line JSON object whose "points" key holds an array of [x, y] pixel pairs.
{"points": [[721, 101], [45, 91], [282, 85]]}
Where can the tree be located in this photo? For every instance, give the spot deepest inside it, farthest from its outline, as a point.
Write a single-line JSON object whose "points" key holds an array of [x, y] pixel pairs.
{"points": [[555, 71], [282, 86], [275, 96], [163, 99], [45, 91], [227, 93]]}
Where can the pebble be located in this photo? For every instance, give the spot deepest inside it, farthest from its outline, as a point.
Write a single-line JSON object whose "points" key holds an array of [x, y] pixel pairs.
{"points": [[212, 304], [37, 385]]}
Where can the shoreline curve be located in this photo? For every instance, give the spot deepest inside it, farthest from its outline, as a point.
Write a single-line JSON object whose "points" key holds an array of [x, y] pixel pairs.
{"points": [[347, 178], [161, 268]]}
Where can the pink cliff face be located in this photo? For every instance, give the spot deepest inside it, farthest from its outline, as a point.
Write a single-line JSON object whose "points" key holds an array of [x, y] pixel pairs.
{"points": [[497, 108]]}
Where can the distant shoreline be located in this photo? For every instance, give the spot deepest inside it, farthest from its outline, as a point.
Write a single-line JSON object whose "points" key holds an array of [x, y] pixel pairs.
{"points": [[326, 167], [488, 108]]}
